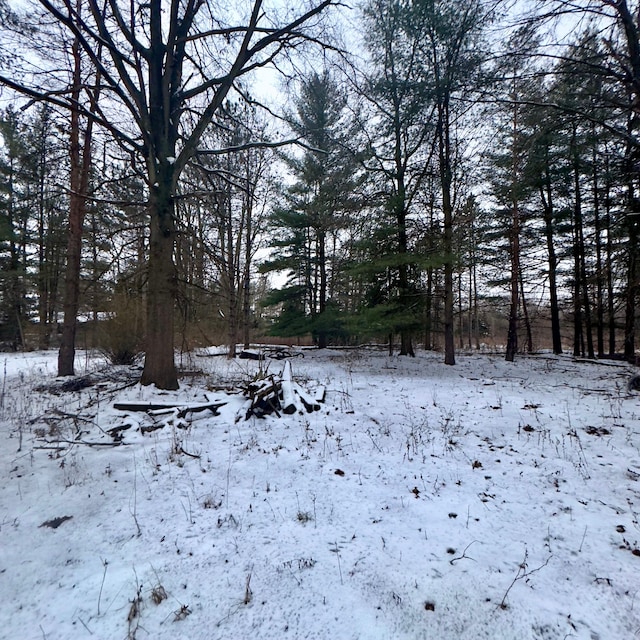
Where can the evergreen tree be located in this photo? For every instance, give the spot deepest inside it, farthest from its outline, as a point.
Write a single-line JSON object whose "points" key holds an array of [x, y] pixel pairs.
{"points": [[13, 230], [400, 106], [316, 209]]}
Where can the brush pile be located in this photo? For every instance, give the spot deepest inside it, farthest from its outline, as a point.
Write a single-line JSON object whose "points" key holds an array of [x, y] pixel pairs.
{"points": [[276, 394]]}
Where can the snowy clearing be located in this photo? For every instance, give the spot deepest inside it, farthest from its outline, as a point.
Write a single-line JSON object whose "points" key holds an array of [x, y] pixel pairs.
{"points": [[487, 500]]}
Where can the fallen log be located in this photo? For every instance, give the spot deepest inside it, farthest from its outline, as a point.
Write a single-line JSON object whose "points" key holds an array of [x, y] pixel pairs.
{"points": [[213, 407], [182, 409], [250, 355], [116, 432]]}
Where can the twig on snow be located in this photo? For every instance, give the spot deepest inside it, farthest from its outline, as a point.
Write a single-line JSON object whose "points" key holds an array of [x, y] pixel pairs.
{"points": [[464, 554], [521, 573]]}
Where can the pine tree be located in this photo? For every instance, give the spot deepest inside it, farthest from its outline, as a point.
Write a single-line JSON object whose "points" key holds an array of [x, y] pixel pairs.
{"points": [[316, 209]]}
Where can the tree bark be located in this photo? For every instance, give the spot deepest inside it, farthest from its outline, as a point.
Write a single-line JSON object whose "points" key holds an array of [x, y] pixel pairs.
{"points": [[632, 287], [406, 345], [525, 315], [599, 270], [159, 363], [611, 314], [514, 248], [322, 300], [444, 154], [80, 156], [582, 285], [546, 196]]}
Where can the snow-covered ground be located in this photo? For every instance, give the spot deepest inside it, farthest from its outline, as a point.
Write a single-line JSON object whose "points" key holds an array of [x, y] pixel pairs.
{"points": [[487, 500]]}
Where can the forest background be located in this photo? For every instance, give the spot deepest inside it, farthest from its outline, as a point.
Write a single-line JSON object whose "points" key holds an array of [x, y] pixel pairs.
{"points": [[415, 172]]}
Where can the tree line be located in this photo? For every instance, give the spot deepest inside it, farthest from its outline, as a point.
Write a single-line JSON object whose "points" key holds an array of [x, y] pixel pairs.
{"points": [[456, 164]]}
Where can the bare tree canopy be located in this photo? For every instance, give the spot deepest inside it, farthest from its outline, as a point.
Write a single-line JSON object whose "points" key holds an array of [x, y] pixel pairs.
{"points": [[165, 70]]}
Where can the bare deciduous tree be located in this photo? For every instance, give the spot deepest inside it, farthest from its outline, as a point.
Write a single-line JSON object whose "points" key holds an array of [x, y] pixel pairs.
{"points": [[166, 70]]}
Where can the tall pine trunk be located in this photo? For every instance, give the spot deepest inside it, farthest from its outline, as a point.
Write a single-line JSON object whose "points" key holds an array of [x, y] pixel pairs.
{"points": [[514, 255], [444, 152], [598, 241], [582, 284], [546, 195], [80, 157], [246, 271], [525, 315], [611, 312], [633, 274], [514, 249], [406, 345], [322, 294]]}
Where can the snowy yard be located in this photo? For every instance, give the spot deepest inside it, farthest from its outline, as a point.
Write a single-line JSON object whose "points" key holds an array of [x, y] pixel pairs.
{"points": [[487, 500]]}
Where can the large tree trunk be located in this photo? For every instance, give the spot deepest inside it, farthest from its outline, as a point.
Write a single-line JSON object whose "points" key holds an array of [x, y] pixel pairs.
{"points": [[578, 338], [444, 152], [525, 315], [66, 355], [428, 313], [514, 243], [246, 273], [80, 156], [406, 345], [546, 195], [598, 240], [514, 249], [159, 363], [45, 269], [581, 273], [632, 287], [322, 300], [611, 312], [556, 337]]}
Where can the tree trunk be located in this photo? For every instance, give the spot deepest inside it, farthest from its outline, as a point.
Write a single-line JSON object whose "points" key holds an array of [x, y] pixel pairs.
{"points": [[611, 312], [80, 156], [514, 254], [546, 195], [577, 307], [430, 292], [444, 150], [428, 325], [159, 363], [460, 312], [632, 287], [322, 300], [44, 269], [514, 246], [525, 315], [476, 315], [406, 346], [598, 241], [514, 242], [581, 267], [246, 273]]}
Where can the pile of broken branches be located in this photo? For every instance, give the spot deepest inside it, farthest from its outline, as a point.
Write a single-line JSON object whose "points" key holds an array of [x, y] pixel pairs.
{"points": [[279, 394]]}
